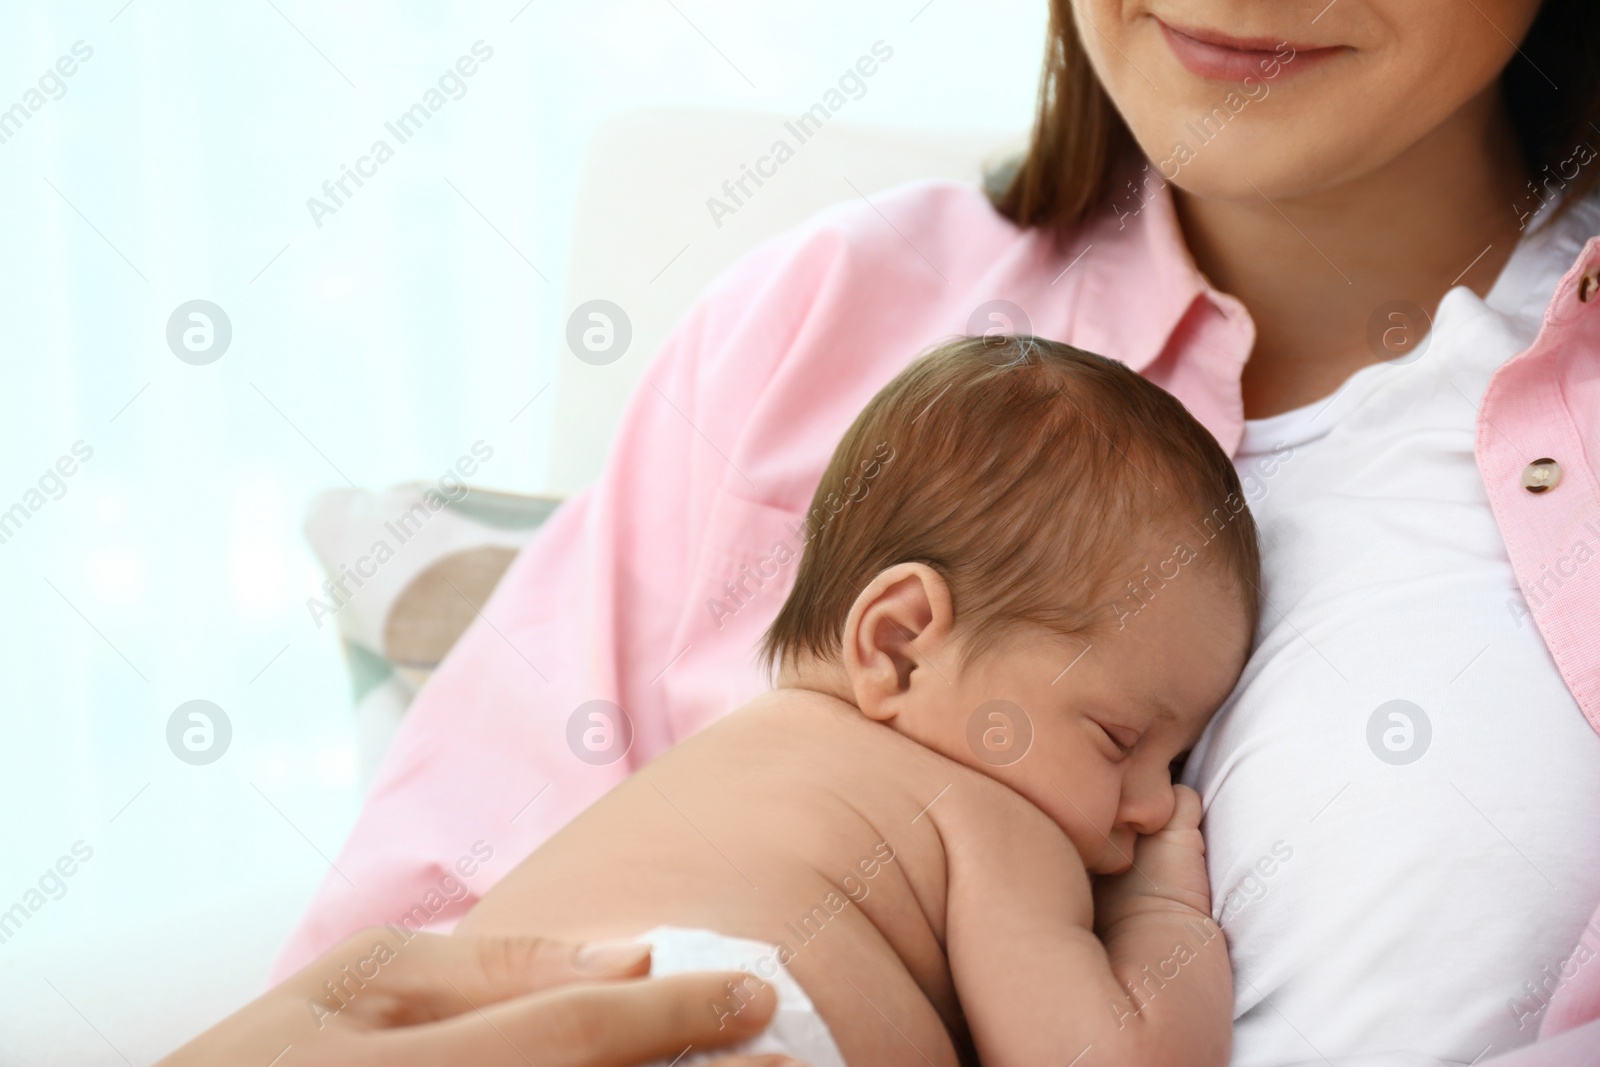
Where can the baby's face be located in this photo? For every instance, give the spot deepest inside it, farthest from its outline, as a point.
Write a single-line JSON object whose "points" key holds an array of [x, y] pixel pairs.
{"points": [[1107, 717]]}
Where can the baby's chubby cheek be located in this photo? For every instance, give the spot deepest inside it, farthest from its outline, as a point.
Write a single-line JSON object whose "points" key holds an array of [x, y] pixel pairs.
{"points": [[1090, 823], [1115, 854], [1051, 772], [1086, 816]]}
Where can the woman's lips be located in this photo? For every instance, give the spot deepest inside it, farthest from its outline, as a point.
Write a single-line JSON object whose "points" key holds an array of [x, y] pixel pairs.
{"points": [[1234, 59]]}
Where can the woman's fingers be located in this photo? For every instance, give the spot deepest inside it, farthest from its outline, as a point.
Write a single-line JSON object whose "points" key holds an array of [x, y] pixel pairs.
{"points": [[613, 1024], [387, 977]]}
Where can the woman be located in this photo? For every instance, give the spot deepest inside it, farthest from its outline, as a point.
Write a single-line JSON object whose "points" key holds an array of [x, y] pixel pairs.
{"points": [[1332, 232]]}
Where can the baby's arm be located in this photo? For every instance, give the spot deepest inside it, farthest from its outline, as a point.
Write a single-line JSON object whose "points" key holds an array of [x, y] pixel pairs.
{"points": [[1037, 985]]}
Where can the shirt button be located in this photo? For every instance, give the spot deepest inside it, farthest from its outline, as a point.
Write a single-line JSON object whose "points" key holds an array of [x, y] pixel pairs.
{"points": [[1540, 475]]}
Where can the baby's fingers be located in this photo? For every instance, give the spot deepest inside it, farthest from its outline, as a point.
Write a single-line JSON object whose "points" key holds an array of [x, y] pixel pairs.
{"points": [[1186, 811]]}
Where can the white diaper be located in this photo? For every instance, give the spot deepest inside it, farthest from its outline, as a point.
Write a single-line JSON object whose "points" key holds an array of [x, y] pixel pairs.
{"points": [[797, 1030]]}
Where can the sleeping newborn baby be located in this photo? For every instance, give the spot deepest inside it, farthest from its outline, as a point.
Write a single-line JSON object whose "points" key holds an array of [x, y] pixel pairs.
{"points": [[1028, 583]]}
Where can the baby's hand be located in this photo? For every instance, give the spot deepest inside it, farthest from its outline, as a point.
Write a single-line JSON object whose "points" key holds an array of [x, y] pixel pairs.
{"points": [[1168, 873]]}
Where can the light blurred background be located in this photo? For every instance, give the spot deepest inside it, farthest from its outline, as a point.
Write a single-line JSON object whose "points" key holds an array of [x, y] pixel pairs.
{"points": [[421, 316]]}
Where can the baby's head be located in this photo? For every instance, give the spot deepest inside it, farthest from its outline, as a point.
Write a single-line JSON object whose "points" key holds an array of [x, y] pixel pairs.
{"points": [[1032, 561]]}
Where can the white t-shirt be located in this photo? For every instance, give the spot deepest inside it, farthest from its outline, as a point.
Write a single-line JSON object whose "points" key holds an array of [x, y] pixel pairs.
{"points": [[1395, 878]]}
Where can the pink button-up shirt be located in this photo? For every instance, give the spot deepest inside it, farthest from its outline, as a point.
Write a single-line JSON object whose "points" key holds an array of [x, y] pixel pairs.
{"points": [[650, 588]]}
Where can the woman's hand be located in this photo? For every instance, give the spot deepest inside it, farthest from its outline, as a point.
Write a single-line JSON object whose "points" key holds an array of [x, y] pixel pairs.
{"points": [[492, 1002]]}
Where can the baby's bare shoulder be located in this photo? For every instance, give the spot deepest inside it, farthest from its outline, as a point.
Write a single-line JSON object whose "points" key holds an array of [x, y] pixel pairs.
{"points": [[802, 724], [811, 740]]}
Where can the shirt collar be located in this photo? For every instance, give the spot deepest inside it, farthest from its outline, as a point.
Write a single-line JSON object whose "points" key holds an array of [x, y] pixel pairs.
{"points": [[1139, 260], [1545, 252]]}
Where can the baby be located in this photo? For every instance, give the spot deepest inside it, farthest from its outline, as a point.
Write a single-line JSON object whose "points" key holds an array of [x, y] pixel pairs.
{"points": [[1037, 588]]}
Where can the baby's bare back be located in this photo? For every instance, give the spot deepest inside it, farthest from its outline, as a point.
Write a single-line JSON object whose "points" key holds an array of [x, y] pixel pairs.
{"points": [[794, 821]]}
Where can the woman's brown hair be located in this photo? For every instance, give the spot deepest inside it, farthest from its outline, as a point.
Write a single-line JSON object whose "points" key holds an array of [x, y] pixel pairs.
{"points": [[1552, 87]]}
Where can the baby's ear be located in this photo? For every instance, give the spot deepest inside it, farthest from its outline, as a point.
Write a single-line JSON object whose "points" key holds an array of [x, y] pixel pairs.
{"points": [[897, 623]]}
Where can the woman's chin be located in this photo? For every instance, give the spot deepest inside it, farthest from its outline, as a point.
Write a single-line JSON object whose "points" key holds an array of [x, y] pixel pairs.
{"points": [[1251, 165]]}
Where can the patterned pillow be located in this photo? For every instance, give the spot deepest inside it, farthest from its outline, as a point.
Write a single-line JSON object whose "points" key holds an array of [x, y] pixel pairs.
{"points": [[407, 570]]}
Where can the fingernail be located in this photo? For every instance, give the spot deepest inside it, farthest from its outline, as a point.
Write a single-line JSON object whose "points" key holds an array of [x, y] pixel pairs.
{"points": [[604, 957]]}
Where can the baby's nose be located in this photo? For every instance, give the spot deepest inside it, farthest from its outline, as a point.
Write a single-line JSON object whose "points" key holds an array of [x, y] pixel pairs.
{"points": [[1148, 809]]}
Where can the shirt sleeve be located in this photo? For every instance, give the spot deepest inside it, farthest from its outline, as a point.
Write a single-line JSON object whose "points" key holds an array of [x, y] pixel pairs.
{"points": [[488, 763]]}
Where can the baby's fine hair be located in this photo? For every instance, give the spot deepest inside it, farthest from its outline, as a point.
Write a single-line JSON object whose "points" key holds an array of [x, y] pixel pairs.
{"points": [[1018, 467]]}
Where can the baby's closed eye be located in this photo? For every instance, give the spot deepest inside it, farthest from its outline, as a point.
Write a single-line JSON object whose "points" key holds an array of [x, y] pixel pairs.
{"points": [[1123, 738]]}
